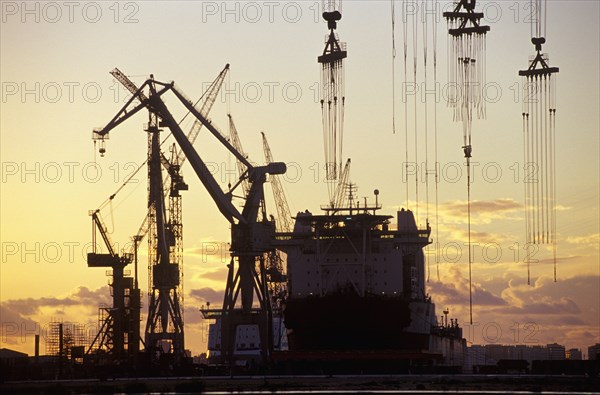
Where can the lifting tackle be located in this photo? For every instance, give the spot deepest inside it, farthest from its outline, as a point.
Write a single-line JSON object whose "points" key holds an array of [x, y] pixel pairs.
{"points": [[539, 138], [467, 72], [332, 95]]}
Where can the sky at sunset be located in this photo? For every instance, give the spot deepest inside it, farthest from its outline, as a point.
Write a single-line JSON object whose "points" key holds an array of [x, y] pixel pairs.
{"points": [[55, 59]]}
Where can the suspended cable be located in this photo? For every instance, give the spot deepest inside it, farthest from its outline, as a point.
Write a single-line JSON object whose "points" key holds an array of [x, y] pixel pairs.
{"points": [[425, 39], [525, 144], [437, 227], [554, 190], [415, 63], [393, 67], [112, 218], [469, 241], [540, 183], [405, 100], [342, 112], [466, 74], [545, 231], [553, 167]]}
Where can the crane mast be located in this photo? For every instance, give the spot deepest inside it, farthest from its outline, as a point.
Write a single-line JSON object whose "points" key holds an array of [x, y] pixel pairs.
{"points": [[165, 322]]}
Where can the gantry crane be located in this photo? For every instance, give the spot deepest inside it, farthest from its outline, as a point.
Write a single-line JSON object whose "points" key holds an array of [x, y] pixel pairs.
{"points": [[251, 235]]}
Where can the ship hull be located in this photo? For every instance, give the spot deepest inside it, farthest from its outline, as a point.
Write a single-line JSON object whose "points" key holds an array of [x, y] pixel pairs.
{"points": [[351, 322]]}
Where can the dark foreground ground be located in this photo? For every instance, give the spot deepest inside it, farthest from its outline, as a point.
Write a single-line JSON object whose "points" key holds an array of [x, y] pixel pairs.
{"points": [[430, 384]]}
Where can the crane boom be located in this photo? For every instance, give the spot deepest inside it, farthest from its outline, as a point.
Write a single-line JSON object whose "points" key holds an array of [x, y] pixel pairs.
{"points": [[222, 200], [127, 112], [215, 132], [127, 83], [237, 144], [211, 96], [103, 232], [340, 191], [111, 259], [283, 210]]}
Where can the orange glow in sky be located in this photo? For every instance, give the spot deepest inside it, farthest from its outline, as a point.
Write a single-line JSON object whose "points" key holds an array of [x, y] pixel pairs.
{"points": [[54, 64]]}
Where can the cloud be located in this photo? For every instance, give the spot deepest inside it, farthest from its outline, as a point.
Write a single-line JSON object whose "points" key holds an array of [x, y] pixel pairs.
{"points": [[192, 314], [541, 298], [460, 234], [210, 252], [566, 311], [589, 241], [11, 315], [207, 294], [217, 275], [82, 296], [455, 291], [572, 320], [572, 301], [482, 211], [22, 318], [545, 306], [563, 259]]}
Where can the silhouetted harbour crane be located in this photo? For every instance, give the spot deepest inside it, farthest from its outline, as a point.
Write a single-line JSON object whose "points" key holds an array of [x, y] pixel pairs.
{"points": [[119, 336], [252, 234], [173, 229]]}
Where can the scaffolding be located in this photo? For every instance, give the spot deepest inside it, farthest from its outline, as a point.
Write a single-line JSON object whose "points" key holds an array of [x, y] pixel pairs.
{"points": [[66, 340]]}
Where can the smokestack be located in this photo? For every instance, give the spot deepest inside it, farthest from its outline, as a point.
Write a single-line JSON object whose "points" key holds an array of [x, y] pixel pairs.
{"points": [[37, 347]]}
